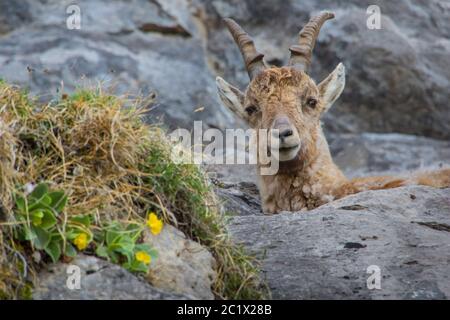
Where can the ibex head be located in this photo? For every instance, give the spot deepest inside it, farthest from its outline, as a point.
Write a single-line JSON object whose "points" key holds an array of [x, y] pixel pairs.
{"points": [[284, 98]]}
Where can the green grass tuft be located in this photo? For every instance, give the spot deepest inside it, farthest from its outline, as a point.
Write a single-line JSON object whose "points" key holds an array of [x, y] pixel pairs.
{"points": [[95, 147]]}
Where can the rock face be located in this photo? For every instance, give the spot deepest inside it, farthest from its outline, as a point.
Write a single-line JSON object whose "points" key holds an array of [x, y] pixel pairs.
{"points": [[100, 280], [370, 154], [325, 253], [183, 266], [397, 80], [241, 198], [136, 46]]}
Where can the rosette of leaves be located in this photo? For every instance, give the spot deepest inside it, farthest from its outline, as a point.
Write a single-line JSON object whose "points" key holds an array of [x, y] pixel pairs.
{"points": [[37, 217], [119, 244]]}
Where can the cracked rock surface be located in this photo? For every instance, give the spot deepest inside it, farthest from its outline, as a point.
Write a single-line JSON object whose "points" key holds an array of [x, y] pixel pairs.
{"points": [[99, 280], [325, 253]]}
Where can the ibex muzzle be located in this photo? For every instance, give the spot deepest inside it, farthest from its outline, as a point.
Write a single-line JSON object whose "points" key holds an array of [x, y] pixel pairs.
{"points": [[287, 137]]}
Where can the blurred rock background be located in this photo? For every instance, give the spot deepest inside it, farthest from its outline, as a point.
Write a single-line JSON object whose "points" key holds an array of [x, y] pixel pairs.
{"points": [[393, 115]]}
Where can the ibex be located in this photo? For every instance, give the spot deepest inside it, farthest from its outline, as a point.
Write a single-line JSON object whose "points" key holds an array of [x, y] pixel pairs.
{"points": [[288, 100]]}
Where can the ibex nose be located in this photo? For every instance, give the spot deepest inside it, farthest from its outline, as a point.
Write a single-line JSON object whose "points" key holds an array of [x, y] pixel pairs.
{"points": [[284, 127], [286, 133]]}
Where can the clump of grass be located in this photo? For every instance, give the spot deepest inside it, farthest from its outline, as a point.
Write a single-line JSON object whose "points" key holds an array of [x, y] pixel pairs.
{"points": [[111, 165]]}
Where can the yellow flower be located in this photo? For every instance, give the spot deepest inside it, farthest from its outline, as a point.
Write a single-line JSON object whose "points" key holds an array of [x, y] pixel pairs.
{"points": [[143, 256], [154, 223], [81, 241]]}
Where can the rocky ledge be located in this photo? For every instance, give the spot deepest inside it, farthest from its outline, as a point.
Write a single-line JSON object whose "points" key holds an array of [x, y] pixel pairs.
{"points": [[99, 280], [403, 235]]}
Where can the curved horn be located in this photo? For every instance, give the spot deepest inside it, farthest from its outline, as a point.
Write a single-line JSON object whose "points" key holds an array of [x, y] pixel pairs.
{"points": [[254, 62], [301, 53]]}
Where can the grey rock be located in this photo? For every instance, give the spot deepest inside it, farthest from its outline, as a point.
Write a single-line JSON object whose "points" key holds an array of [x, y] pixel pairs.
{"points": [[182, 265], [12, 17], [134, 47], [325, 253], [100, 280], [369, 153], [239, 198]]}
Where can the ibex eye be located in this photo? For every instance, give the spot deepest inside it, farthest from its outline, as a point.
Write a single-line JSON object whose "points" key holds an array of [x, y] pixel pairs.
{"points": [[251, 110], [311, 102]]}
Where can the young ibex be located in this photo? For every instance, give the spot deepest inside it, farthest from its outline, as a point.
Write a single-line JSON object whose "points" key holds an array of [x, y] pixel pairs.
{"points": [[288, 100]]}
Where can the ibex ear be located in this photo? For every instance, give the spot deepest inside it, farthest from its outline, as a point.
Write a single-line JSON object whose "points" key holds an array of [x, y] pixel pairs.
{"points": [[231, 97], [331, 88]]}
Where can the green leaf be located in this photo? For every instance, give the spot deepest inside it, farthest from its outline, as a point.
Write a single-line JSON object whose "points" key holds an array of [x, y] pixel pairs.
{"points": [[54, 250], [99, 236], [111, 237], [102, 251], [122, 244], [23, 233], [48, 220], [83, 220], [37, 205], [70, 250], [46, 200], [127, 253], [134, 231], [42, 238], [20, 203], [74, 230], [36, 217], [113, 256], [39, 191], [29, 233], [43, 203], [58, 200], [136, 266]]}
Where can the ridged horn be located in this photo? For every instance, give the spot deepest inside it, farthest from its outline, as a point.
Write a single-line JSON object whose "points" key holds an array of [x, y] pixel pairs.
{"points": [[254, 62], [301, 53]]}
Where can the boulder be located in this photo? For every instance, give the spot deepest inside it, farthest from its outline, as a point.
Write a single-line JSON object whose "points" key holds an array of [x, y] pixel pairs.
{"points": [[332, 252], [99, 280], [182, 266]]}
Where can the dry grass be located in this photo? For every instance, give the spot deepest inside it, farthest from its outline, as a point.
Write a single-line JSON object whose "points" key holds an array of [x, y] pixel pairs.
{"points": [[95, 147]]}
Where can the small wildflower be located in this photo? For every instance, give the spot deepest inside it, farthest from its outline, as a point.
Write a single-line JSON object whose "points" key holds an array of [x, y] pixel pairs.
{"points": [[154, 223], [81, 241], [143, 257]]}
